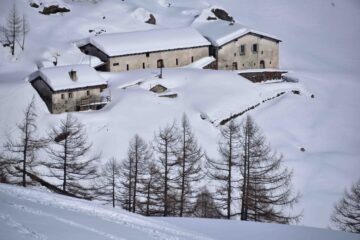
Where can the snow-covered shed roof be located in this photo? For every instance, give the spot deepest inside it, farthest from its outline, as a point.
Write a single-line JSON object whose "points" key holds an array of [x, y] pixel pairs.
{"points": [[221, 32], [117, 44], [58, 78]]}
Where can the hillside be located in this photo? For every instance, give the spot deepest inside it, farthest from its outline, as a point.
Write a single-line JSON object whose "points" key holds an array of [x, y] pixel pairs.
{"points": [[319, 47], [34, 214]]}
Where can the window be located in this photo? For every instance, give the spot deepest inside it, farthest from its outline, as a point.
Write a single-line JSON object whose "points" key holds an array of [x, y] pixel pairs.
{"points": [[255, 48], [242, 49], [127, 67], [234, 54], [147, 54], [62, 96], [115, 64], [88, 93], [160, 63], [192, 59], [143, 65], [177, 62], [70, 95], [262, 52]]}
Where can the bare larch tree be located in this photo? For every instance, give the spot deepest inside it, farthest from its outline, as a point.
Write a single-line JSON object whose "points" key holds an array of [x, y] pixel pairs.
{"points": [[224, 171], [150, 189], [346, 215], [133, 171], [13, 28], [20, 153], [165, 144], [189, 159], [266, 192], [205, 206], [69, 157], [108, 183]]}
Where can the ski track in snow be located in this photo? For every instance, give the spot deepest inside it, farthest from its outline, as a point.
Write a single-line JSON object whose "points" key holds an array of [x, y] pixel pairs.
{"points": [[22, 229], [63, 220], [154, 229]]}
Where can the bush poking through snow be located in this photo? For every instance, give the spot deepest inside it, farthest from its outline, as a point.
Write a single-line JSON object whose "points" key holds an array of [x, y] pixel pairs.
{"points": [[151, 20], [53, 9], [222, 14]]}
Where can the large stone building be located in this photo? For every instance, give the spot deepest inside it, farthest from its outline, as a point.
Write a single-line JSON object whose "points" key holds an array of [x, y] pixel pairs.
{"points": [[70, 88], [157, 48], [236, 47]]}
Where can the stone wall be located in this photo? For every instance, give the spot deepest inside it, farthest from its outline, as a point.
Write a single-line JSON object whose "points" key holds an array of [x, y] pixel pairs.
{"points": [[263, 76], [171, 58], [267, 51], [66, 101]]}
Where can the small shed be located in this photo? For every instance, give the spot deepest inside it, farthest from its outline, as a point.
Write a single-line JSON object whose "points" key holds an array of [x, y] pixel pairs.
{"points": [[70, 88]]}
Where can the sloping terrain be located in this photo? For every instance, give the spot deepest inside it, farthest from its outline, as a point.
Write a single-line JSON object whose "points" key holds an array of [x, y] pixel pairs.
{"points": [[34, 214], [319, 47]]}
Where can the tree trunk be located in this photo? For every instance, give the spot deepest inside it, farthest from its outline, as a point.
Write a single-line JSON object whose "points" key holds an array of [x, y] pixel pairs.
{"points": [[183, 176]]}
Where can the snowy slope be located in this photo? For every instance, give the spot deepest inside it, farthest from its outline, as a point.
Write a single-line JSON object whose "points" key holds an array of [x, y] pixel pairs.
{"points": [[319, 47], [34, 214]]}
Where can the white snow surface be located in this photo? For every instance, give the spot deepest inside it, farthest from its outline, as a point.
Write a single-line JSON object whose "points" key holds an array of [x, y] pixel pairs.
{"points": [[117, 44], [36, 214], [320, 48], [58, 78], [221, 32]]}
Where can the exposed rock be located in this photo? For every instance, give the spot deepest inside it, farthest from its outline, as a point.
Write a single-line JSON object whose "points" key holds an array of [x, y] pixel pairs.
{"points": [[209, 18], [151, 20], [34, 5], [297, 92], [158, 89], [222, 14], [172, 95], [53, 9]]}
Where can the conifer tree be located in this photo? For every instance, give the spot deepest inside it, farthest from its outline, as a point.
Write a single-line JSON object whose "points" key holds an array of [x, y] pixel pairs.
{"points": [[69, 157]]}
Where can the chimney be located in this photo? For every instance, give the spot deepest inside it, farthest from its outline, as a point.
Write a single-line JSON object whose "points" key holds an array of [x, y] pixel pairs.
{"points": [[73, 75]]}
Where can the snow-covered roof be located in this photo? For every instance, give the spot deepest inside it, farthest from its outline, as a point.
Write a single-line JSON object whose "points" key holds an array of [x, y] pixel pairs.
{"points": [[221, 32], [58, 78], [201, 63], [117, 44]]}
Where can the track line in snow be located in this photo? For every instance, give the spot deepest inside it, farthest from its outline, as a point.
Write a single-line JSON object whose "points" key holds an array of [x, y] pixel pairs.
{"points": [[153, 228], [21, 228], [63, 220]]}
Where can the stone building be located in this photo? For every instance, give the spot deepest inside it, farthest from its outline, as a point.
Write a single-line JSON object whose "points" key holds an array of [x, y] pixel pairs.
{"points": [[70, 88], [156, 48], [237, 47]]}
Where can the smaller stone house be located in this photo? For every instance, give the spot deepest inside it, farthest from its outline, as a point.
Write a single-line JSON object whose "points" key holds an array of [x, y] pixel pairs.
{"points": [[237, 47], [156, 48], [70, 88]]}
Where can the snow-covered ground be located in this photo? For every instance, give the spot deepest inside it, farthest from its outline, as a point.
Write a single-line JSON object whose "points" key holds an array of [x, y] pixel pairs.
{"points": [[35, 214], [320, 47]]}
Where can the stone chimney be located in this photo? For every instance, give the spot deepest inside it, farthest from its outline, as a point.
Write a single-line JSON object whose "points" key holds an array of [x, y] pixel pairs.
{"points": [[73, 75]]}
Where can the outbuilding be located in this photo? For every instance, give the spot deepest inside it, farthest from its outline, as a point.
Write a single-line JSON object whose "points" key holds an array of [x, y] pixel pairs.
{"points": [[70, 88]]}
